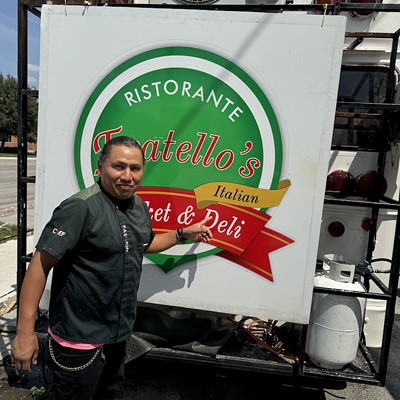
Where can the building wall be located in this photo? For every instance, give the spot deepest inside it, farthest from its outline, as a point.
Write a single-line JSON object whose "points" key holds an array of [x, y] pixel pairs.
{"points": [[14, 143]]}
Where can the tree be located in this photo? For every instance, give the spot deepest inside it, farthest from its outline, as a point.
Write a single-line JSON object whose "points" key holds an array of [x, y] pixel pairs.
{"points": [[9, 111], [32, 121], [8, 107]]}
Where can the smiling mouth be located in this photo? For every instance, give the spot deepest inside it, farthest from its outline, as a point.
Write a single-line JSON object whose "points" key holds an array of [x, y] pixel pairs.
{"points": [[125, 187]]}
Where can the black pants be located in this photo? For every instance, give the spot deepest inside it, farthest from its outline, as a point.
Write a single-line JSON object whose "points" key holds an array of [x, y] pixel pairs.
{"points": [[100, 380]]}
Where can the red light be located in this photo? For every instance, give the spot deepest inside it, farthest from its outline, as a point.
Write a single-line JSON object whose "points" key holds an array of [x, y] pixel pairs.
{"points": [[370, 184], [336, 229], [341, 182], [366, 224]]}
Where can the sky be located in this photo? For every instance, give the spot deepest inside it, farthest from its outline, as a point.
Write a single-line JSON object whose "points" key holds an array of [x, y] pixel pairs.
{"points": [[9, 42]]}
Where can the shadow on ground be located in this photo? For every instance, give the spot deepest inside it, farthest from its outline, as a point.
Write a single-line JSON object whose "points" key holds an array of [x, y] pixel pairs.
{"points": [[164, 380], [154, 380]]}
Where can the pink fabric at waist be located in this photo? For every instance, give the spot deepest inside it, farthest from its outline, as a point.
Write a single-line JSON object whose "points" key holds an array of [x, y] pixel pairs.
{"points": [[73, 345]]}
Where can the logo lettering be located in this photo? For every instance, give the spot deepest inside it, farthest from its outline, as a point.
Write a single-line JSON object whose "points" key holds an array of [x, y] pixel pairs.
{"points": [[59, 232]]}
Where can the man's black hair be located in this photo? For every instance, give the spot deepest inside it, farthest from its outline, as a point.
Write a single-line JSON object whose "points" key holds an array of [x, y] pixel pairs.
{"points": [[119, 141]]}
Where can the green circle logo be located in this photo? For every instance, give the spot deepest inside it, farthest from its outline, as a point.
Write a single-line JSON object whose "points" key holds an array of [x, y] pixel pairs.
{"points": [[212, 144]]}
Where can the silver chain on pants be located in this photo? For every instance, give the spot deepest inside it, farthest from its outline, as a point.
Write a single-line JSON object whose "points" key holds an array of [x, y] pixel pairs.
{"points": [[80, 367]]}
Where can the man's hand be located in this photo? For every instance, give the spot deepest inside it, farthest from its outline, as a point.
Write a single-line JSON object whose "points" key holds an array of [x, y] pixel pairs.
{"points": [[198, 231], [24, 352]]}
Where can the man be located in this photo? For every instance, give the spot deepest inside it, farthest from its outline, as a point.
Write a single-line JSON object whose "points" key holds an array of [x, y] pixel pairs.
{"points": [[95, 241]]}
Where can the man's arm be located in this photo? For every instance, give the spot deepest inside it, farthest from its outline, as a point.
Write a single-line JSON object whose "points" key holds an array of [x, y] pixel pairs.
{"points": [[25, 347], [198, 231]]}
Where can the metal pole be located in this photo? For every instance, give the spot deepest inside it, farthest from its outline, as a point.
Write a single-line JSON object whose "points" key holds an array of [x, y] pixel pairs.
{"points": [[22, 141]]}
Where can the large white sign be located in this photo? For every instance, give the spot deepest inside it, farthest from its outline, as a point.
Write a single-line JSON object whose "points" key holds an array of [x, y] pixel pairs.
{"points": [[235, 113]]}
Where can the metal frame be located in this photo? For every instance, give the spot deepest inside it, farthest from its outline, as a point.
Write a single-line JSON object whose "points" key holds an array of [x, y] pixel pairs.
{"points": [[299, 371]]}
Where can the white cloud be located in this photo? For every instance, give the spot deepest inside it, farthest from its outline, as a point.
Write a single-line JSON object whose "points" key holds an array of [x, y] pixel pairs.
{"points": [[7, 32], [8, 21], [32, 81], [33, 68]]}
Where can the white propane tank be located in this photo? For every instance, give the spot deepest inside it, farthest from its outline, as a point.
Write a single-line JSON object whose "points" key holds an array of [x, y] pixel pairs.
{"points": [[374, 322], [336, 321]]}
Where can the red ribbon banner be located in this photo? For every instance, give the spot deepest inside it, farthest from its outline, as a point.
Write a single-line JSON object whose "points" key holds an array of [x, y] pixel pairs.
{"points": [[240, 232]]}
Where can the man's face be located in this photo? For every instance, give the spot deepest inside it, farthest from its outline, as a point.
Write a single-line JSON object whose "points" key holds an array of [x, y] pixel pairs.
{"points": [[122, 171]]}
